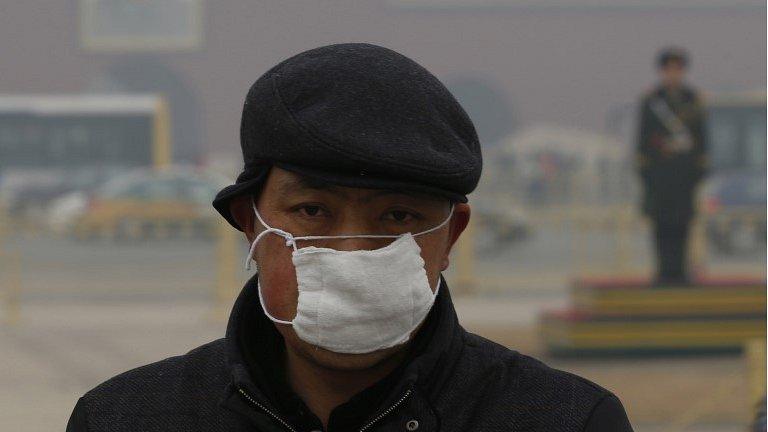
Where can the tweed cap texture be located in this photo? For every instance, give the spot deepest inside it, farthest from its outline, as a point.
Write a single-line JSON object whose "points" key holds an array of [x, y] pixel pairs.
{"points": [[356, 115]]}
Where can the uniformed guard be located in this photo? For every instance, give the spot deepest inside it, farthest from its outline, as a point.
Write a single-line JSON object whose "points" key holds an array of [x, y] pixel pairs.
{"points": [[672, 159]]}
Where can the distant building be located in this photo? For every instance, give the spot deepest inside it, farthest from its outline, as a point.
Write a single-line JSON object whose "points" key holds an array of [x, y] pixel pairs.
{"points": [[556, 61]]}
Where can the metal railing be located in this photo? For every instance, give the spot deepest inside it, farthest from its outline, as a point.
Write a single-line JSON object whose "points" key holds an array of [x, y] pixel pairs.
{"points": [[10, 273], [621, 225]]}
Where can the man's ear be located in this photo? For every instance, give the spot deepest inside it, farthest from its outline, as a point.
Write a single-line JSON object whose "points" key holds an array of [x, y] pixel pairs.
{"points": [[457, 225], [242, 212]]}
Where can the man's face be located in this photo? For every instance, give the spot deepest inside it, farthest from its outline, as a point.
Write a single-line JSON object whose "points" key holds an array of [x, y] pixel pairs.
{"points": [[672, 73], [295, 204]]}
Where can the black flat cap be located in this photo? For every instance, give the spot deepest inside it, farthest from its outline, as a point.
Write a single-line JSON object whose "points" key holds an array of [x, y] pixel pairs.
{"points": [[356, 115]]}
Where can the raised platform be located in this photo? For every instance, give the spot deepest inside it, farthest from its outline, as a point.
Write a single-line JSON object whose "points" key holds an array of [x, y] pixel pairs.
{"points": [[705, 296], [628, 316]]}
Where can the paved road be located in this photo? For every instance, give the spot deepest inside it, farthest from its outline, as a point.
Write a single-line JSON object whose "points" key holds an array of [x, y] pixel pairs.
{"points": [[91, 310], [60, 350]]}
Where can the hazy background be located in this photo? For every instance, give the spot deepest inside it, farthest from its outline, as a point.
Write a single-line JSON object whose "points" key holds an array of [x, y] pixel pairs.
{"points": [[550, 84]]}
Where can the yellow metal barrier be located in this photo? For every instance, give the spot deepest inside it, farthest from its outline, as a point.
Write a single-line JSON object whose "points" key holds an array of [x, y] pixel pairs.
{"points": [[10, 270], [226, 260], [697, 247], [161, 136], [622, 223], [754, 353], [465, 259]]}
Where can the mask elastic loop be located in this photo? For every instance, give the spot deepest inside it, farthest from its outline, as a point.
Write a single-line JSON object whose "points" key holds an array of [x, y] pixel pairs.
{"points": [[435, 228], [264, 308], [258, 216], [442, 224], [289, 241]]}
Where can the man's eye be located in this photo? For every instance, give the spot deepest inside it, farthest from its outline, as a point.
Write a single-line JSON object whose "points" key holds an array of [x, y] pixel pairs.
{"points": [[311, 210], [399, 216]]}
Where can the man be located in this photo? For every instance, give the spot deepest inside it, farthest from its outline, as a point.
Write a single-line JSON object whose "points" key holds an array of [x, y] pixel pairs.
{"points": [[357, 166], [672, 160]]}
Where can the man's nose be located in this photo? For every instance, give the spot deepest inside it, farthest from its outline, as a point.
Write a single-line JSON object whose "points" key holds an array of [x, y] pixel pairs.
{"points": [[359, 243]]}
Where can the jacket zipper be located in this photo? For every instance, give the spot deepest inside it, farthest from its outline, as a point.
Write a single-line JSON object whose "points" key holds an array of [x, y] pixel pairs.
{"points": [[263, 408], [385, 413]]}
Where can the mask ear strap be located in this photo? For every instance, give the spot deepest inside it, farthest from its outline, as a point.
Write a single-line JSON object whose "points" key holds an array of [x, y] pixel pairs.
{"points": [[439, 284], [442, 224], [264, 308], [289, 240], [258, 215], [367, 236]]}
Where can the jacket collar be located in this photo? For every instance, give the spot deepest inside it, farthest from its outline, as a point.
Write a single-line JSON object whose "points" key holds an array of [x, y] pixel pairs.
{"points": [[435, 347]]}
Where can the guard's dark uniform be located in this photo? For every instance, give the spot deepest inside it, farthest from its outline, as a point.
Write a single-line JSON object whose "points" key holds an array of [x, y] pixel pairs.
{"points": [[672, 161]]}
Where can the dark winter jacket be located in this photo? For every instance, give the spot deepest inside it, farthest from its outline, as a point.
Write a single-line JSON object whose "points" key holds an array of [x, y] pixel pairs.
{"points": [[451, 380]]}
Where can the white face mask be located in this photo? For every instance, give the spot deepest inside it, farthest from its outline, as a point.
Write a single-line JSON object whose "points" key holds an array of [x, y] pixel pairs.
{"points": [[356, 302]]}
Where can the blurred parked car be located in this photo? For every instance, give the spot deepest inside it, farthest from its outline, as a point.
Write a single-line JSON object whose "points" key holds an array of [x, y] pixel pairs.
{"points": [[734, 207], [734, 195], [140, 205], [27, 193], [499, 227]]}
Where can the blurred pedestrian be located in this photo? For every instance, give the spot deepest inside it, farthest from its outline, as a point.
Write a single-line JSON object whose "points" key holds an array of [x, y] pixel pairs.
{"points": [[672, 160]]}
